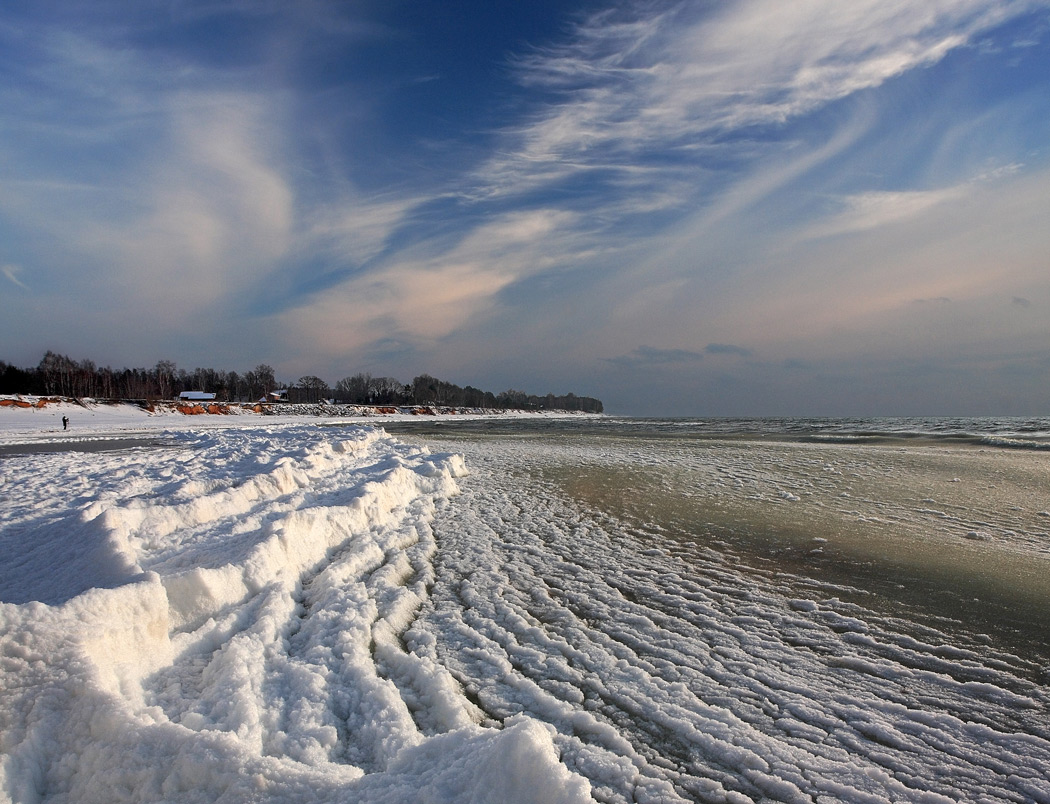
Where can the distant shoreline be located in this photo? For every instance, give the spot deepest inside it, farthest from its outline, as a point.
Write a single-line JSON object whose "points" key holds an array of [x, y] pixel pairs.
{"points": [[209, 407], [26, 418]]}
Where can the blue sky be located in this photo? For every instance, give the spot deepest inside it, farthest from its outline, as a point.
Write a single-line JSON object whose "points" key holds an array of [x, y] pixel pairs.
{"points": [[685, 208]]}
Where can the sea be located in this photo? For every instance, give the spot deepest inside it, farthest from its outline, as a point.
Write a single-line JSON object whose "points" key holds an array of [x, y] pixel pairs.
{"points": [[762, 609]]}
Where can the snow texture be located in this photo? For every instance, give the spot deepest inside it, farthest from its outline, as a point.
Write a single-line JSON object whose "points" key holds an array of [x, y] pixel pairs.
{"points": [[282, 612], [220, 620]]}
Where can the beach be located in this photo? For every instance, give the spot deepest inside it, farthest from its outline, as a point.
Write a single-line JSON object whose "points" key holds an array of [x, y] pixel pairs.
{"points": [[527, 610]]}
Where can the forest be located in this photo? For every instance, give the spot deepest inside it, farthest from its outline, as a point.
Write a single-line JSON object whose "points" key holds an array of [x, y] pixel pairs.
{"points": [[59, 375]]}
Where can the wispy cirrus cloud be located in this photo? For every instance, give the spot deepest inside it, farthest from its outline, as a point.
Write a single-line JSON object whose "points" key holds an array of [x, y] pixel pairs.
{"points": [[678, 80], [420, 299], [873, 210], [654, 112], [354, 228], [214, 208], [664, 124], [11, 273]]}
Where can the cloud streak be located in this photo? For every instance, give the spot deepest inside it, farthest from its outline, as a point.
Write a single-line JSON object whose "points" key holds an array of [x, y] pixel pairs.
{"points": [[632, 83], [649, 356], [422, 300], [652, 357], [11, 273]]}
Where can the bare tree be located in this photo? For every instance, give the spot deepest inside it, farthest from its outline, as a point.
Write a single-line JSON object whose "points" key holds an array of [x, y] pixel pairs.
{"points": [[311, 389], [354, 390], [165, 379], [265, 377]]}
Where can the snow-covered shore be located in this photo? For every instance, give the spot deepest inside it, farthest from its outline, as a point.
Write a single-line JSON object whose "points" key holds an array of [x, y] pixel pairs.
{"points": [[32, 419], [219, 620], [244, 607]]}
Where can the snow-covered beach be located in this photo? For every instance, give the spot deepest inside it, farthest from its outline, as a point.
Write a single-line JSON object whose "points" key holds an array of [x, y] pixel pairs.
{"points": [[268, 609], [220, 619], [27, 420]]}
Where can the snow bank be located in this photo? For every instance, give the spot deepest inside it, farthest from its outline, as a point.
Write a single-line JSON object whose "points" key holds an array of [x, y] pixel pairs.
{"points": [[221, 620], [36, 420]]}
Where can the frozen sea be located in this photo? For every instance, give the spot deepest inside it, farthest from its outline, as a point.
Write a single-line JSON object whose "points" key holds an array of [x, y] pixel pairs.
{"points": [[616, 610]]}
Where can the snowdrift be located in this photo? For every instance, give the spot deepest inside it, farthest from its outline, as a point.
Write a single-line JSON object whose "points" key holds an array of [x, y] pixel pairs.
{"points": [[221, 620]]}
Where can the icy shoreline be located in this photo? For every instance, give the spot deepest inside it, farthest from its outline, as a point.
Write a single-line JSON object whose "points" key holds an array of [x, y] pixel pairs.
{"points": [[251, 608]]}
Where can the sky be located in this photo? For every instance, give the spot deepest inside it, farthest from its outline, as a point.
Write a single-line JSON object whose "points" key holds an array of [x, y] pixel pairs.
{"points": [[821, 207]]}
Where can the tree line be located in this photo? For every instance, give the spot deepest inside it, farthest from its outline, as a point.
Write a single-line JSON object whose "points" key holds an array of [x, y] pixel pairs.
{"points": [[59, 375]]}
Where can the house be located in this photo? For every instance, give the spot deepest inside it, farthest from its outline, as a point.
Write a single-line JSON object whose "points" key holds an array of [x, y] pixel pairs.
{"points": [[196, 396], [280, 395]]}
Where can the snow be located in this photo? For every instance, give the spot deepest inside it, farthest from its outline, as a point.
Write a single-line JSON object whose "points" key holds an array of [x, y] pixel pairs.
{"points": [[254, 608], [672, 673], [92, 421], [218, 620]]}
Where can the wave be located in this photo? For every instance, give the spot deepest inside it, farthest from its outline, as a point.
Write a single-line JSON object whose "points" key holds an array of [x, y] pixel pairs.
{"points": [[1014, 443]]}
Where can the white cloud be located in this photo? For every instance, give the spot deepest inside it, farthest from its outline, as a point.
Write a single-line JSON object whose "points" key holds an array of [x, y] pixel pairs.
{"points": [[640, 82], [849, 298], [422, 300], [357, 229], [11, 272], [762, 60], [217, 210], [876, 209], [873, 210]]}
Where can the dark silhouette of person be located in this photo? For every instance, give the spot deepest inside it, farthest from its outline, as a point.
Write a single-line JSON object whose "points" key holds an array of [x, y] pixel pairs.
{"points": [[65, 422]]}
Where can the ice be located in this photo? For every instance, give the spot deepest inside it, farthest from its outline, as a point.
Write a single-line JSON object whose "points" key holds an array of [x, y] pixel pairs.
{"points": [[660, 662], [278, 611]]}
